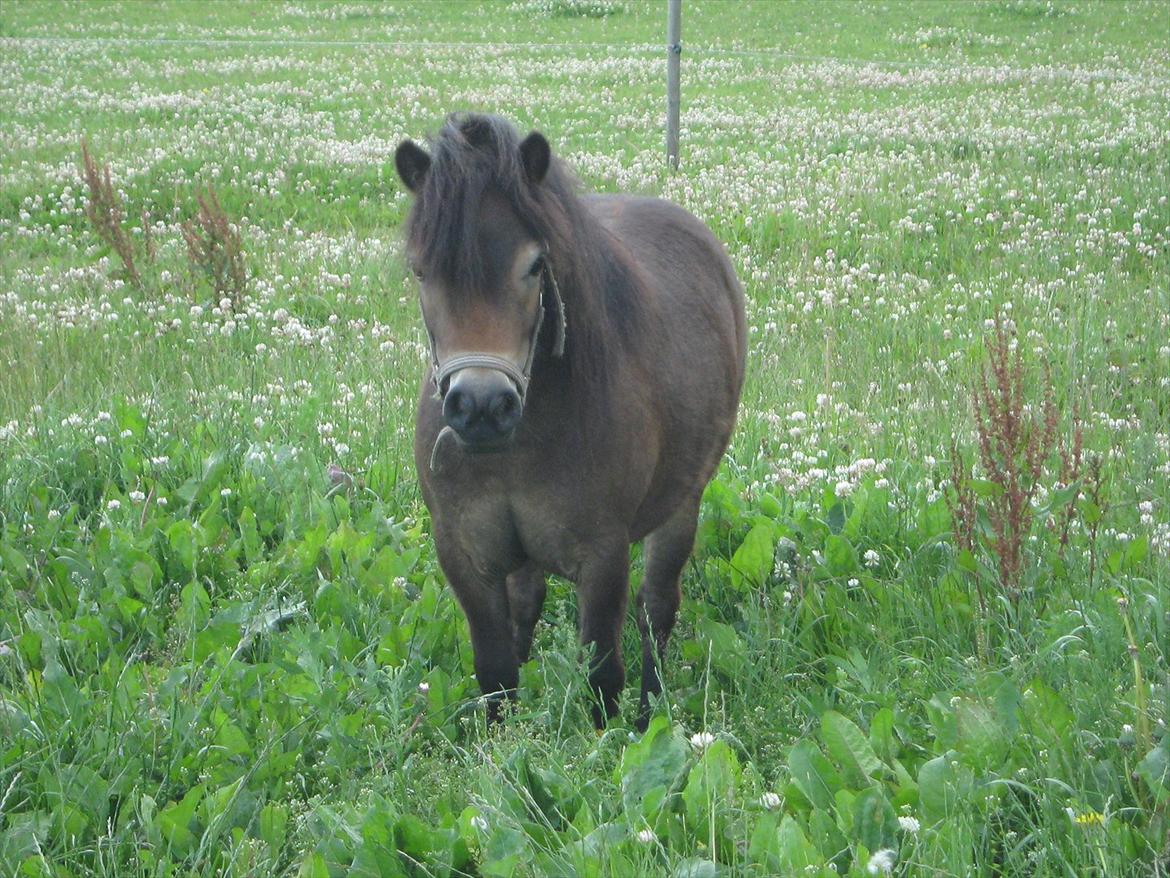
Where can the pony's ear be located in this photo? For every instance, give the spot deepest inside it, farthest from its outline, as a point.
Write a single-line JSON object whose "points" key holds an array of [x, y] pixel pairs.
{"points": [[412, 164], [536, 155]]}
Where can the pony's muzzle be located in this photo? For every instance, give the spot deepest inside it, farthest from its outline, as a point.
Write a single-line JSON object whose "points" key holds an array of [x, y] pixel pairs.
{"points": [[483, 407]]}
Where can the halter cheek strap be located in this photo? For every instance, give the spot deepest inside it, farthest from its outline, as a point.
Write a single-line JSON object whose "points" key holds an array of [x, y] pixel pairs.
{"points": [[520, 376]]}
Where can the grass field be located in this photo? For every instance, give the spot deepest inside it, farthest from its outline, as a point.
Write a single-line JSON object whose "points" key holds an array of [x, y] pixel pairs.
{"points": [[226, 647]]}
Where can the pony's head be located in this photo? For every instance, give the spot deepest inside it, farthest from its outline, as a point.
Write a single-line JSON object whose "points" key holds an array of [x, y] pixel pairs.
{"points": [[478, 240]]}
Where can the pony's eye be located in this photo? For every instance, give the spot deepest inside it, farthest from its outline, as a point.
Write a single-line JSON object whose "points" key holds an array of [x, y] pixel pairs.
{"points": [[537, 266], [418, 275]]}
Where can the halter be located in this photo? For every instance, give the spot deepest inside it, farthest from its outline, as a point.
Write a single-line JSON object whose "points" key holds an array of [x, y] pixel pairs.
{"points": [[440, 372]]}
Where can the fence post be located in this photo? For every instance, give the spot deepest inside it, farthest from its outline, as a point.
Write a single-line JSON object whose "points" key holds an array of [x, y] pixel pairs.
{"points": [[673, 51]]}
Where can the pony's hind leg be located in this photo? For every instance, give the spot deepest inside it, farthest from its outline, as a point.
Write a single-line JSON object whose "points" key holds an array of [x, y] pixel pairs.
{"points": [[526, 589], [666, 551]]}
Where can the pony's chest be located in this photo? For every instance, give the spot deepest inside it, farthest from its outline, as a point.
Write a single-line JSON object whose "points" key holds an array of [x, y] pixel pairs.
{"points": [[553, 535]]}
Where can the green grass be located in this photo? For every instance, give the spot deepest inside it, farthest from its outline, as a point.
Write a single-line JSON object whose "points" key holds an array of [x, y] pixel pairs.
{"points": [[267, 675]]}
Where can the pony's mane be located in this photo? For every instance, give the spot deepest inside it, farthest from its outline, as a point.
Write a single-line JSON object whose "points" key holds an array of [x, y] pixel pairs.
{"points": [[473, 154]]}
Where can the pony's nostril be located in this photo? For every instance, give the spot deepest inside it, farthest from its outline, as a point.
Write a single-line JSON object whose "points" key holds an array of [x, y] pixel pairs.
{"points": [[503, 405], [458, 408], [505, 410]]}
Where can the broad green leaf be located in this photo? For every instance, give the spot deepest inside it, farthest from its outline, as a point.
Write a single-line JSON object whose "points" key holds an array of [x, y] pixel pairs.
{"points": [[813, 774], [35, 867], [937, 788], [1059, 499], [830, 841], [250, 535], [794, 852], [414, 838], [835, 518], [1007, 707], [80, 787], [194, 606], [711, 782], [176, 820], [12, 562], [506, 848], [840, 556], [727, 651], [751, 565], [1154, 770], [965, 560], [846, 744], [1135, 552], [313, 866], [985, 488], [273, 825], [1048, 717], [181, 537], [981, 739], [651, 768], [142, 577], [764, 844], [1090, 511], [881, 735], [696, 868], [875, 824]]}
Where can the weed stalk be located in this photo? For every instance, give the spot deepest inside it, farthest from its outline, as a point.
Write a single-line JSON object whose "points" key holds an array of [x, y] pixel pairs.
{"points": [[105, 213]]}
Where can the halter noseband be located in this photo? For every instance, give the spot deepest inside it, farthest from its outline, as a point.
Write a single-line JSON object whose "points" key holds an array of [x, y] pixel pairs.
{"points": [[441, 372]]}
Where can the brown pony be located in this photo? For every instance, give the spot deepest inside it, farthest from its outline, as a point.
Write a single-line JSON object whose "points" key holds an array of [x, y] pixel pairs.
{"points": [[587, 359]]}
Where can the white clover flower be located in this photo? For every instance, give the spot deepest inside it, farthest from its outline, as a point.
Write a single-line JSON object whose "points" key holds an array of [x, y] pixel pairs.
{"points": [[225, 492], [424, 687], [114, 505], [137, 496], [161, 501], [872, 558], [882, 862], [909, 824], [645, 836], [54, 514], [479, 823], [770, 800], [702, 740]]}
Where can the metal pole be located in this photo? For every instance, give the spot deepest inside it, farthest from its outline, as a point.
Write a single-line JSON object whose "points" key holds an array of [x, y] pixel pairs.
{"points": [[673, 51]]}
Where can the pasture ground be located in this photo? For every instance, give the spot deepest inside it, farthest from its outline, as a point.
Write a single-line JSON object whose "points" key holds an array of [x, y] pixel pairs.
{"points": [[225, 645]]}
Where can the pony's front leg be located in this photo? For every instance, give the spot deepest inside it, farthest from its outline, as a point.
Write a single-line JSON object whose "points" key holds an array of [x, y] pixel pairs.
{"points": [[484, 600], [602, 591], [496, 667]]}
